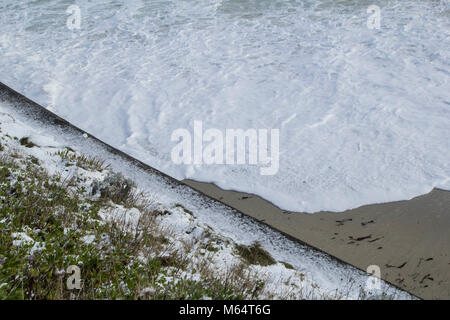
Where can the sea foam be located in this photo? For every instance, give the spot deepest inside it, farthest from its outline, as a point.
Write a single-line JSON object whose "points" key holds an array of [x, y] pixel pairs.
{"points": [[364, 114]]}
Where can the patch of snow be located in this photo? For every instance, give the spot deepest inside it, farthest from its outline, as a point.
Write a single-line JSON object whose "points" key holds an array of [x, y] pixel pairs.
{"points": [[89, 239], [22, 239]]}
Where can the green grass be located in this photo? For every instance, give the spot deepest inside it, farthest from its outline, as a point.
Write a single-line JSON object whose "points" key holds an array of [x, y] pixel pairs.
{"points": [[88, 163], [255, 254], [25, 141], [57, 213], [189, 212], [287, 265]]}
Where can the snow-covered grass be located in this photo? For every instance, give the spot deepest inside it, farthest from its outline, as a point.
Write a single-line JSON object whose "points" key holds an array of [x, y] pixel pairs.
{"points": [[60, 207], [124, 249]]}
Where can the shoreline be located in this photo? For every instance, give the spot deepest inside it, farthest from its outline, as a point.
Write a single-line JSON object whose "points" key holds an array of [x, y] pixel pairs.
{"points": [[327, 270], [408, 240]]}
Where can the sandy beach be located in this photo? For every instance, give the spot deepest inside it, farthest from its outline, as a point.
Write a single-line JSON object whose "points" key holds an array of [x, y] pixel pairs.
{"points": [[408, 240]]}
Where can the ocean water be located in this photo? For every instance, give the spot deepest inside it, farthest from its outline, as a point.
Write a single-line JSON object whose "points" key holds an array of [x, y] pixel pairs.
{"points": [[363, 114]]}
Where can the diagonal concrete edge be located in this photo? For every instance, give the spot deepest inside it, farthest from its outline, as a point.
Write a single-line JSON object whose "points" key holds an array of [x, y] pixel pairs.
{"points": [[35, 112]]}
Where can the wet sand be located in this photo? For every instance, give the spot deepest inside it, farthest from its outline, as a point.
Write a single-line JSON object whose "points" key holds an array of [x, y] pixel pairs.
{"points": [[408, 240]]}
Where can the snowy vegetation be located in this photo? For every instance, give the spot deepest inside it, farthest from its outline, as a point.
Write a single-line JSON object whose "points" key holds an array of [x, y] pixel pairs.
{"points": [[126, 244]]}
